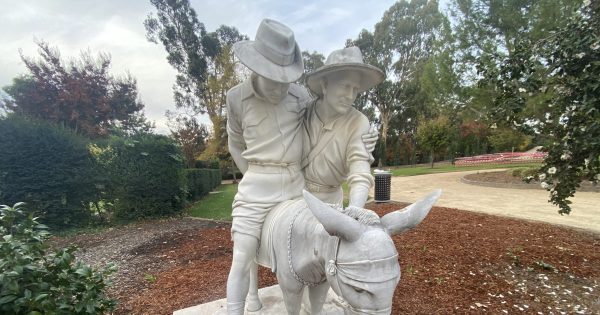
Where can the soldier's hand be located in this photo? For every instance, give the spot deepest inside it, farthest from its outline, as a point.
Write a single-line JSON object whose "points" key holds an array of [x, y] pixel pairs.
{"points": [[370, 139]]}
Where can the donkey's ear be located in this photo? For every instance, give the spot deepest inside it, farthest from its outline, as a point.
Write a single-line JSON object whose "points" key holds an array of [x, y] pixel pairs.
{"points": [[334, 222], [401, 220]]}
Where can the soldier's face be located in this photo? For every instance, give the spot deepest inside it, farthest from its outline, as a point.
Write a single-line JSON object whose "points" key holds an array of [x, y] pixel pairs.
{"points": [[340, 90], [273, 91]]}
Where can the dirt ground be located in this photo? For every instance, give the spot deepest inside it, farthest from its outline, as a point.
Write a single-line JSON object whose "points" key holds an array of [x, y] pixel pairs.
{"points": [[455, 262]]}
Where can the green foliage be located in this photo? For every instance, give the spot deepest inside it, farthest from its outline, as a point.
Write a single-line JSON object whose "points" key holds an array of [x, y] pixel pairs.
{"points": [[524, 172], [201, 181], [507, 139], [49, 167], [473, 138], [191, 137], [566, 66], [204, 61], [312, 61], [486, 31], [404, 40], [213, 164], [34, 280], [435, 136], [150, 278], [143, 176]]}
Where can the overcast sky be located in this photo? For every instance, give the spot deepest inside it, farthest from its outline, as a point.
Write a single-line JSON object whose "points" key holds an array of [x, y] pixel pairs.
{"points": [[116, 27]]}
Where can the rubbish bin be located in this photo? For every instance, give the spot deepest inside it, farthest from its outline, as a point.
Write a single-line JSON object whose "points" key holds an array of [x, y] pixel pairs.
{"points": [[383, 180]]}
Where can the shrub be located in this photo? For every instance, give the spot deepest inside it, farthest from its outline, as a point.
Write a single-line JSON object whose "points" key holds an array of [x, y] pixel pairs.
{"points": [[34, 280], [524, 172], [201, 181], [213, 164], [47, 166], [530, 171], [517, 172], [143, 176]]}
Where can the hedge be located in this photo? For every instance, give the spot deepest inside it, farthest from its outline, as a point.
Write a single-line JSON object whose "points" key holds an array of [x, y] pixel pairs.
{"points": [[48, 167], [143, 176], [200, 181]]}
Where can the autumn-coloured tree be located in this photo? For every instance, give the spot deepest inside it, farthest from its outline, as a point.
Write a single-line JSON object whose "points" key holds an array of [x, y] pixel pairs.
{"points": [[80, 94], [191, 137]]}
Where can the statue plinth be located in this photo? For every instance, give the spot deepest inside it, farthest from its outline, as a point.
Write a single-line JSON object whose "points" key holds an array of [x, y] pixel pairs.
{"points": [[272, 301]]}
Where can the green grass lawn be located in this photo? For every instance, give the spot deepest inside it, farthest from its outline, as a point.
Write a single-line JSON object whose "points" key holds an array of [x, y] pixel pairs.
{"points": [[216, 205], [444, 168]]}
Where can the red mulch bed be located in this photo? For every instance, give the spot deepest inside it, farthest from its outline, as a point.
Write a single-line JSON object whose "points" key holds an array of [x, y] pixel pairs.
{"points": [[455, 262]]}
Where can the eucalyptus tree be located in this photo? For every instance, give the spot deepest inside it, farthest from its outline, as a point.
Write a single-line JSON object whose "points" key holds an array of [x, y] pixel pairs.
{"points": [[312, 61], [405, 39], [206, 67]]}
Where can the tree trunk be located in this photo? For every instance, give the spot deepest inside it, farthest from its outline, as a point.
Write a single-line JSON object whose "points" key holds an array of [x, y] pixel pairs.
{"points": [[385, 123], [432, 158]]}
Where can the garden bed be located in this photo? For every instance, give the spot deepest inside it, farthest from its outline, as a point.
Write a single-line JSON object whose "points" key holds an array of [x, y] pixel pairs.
{"points": [[505, 179], [454, 262]]}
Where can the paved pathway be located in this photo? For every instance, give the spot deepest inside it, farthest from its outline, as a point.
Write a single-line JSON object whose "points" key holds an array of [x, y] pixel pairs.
{"points": [[530, 204]]}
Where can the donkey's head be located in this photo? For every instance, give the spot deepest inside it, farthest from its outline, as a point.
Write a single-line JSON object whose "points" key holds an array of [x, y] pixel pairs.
{"points": [[362, 263]]}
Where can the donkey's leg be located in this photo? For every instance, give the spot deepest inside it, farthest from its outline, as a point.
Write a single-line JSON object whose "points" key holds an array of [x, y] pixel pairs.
{"points": [[317, 296], [291, 289], [293, 300], [253, 303]]}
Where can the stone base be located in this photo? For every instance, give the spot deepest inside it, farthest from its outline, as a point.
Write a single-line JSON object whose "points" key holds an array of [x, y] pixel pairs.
{"points": [[272, 301]]}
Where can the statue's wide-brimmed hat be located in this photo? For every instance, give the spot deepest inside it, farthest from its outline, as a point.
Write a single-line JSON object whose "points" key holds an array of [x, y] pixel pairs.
{"points": [[343, 60], [273, 54]]}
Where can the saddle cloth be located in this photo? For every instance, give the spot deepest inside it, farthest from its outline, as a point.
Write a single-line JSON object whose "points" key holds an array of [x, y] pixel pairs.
{"points": [[276, 218]]}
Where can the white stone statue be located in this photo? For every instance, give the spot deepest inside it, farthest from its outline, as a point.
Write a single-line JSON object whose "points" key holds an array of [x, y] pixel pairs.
{"points": [[277, 136], [266, 140]]}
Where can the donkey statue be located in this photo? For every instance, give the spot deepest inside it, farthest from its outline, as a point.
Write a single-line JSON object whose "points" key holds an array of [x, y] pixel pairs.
{"points": [[307, 243]]}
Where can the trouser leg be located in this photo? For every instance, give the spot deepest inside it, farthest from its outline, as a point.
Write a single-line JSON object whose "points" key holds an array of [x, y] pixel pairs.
{"points": [[244, 252]]}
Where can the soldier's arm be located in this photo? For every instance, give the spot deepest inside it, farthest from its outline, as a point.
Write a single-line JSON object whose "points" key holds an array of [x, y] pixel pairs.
{"points": [[359, 165], [235, 133]]}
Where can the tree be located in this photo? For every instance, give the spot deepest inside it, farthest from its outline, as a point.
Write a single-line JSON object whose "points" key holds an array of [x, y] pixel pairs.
{"points": [[434, 136], [489, 30], [402, 43], [563, 71], [82, 95], [206, 67], [508, 139], [191, 137], [312, 61], [473, 138]]}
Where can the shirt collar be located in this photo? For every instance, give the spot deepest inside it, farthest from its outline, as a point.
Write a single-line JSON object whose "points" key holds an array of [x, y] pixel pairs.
{"points": [[330, 124], [248, 89]]}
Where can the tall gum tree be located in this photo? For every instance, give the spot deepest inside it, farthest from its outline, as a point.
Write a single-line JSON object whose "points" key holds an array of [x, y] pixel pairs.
{"points": [[206, 67], [401, 44]]}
